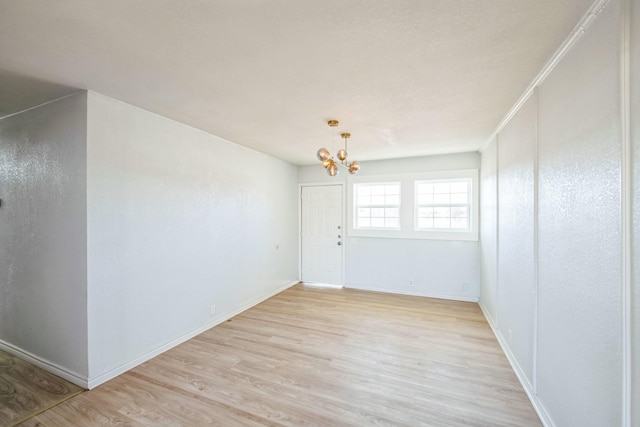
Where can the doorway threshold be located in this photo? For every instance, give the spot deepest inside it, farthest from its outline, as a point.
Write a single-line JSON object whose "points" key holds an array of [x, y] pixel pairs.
{"points": [[322, 285]]}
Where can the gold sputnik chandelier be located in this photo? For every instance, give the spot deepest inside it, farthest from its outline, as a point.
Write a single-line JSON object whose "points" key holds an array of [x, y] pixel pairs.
{"points": [[330, 164]]}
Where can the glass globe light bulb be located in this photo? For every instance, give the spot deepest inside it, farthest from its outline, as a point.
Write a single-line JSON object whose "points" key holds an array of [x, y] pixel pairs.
{"points": [[342, 154], [326, 163], [332, 170], [323, 154]]}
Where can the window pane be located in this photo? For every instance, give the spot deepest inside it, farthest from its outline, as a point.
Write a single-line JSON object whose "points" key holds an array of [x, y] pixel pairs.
{"points": [[364, 190], [377, 200], [424, 188], [442, 212], [442, 205], [376, 205], [392, 189], [459, 223], [392, 200], [442, 223], [459, 187], [459, 199], [377, 222], [425, 212], [442, 199], [425, 223], [377, 190], [441, 187], [364, 222], [459, 212], [364, 200], [425, 199], [377, 213], [391, 223]]}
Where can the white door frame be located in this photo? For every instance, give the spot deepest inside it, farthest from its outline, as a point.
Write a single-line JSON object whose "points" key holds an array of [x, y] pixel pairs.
{"points": [[344, 227]]}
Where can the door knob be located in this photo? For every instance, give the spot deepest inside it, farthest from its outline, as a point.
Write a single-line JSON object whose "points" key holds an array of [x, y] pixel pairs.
{"points": [[339, 236], [339, 243]]}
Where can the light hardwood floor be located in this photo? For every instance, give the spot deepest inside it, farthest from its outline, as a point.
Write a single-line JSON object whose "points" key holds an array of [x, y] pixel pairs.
{"points": [[324, 357], [26, 389]]}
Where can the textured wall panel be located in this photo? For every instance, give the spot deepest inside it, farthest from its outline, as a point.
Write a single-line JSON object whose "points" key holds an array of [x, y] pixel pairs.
{"points": [[579, 357], [635, 140], [178, 220], [489, 230], [43, 265], [516, 269]]}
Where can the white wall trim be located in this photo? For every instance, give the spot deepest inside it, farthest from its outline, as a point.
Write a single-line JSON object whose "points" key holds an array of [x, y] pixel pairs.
{"points": [[93, 382], [626, 210], [47, 365], [573, 37], [413, 293], [528, 389]]}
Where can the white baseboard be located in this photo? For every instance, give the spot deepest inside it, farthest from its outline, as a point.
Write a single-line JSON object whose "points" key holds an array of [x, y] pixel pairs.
{"points": [[417, 294], [537, 405], [102, 378], [47, 365]]}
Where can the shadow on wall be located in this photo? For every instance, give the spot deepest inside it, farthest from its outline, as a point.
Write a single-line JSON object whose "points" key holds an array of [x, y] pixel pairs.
{"points": [[21, 92]]}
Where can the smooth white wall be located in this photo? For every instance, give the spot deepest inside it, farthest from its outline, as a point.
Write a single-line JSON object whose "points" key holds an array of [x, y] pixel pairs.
{"points": [[178, 220], [437, 268], [566, 237], [43, 262]]}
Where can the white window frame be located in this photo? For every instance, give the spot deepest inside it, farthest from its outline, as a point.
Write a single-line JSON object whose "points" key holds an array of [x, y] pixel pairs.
{"points": [[356, 206], [434, 205], [408, 210]]}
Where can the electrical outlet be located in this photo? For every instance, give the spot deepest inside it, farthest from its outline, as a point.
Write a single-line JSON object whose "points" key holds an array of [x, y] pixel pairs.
{"points": [[410, 282], [212, 312]]}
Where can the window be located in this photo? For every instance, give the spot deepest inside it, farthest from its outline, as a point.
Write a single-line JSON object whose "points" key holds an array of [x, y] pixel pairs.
{"points": [[442, 205], [377, 205]]}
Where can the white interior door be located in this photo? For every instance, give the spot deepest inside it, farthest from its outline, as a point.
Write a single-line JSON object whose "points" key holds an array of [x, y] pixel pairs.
{"points": [[322, 234]]}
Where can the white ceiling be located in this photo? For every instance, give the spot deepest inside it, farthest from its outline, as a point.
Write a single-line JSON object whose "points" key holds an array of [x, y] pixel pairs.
{"points": [[406, 78]]}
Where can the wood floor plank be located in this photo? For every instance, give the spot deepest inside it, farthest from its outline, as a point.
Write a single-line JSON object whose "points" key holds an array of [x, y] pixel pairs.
{"points": [[26, 389], [313, 356]]}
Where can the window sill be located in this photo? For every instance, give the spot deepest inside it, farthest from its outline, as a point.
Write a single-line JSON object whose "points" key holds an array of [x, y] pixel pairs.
{"points": [[418, 235]]}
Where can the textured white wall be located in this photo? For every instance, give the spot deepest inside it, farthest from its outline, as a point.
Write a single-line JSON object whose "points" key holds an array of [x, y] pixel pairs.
{"points": [[489, 230], [570, 347], [516, 237], [579, 341], [635, 140], [437, 268], [43, 268], [178, 220]]}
